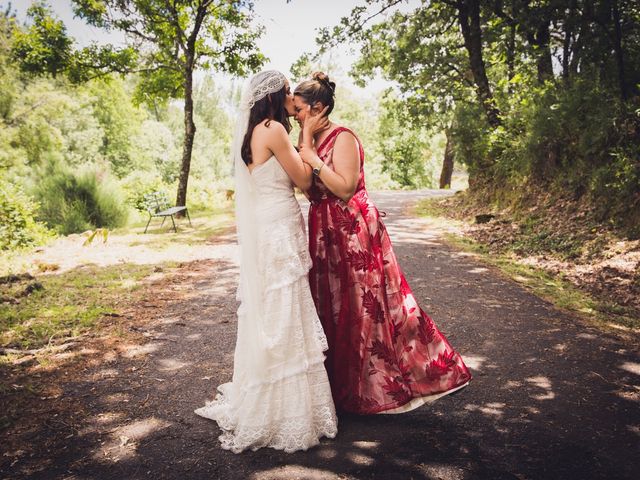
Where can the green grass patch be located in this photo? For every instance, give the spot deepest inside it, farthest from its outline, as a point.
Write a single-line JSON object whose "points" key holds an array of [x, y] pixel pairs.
{"points": [[69, 304], [553, 288], [73, 302], [205, 225], [430, 207]]}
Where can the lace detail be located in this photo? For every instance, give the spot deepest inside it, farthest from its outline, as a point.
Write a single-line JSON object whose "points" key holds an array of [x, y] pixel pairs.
{"points": [[289, 260], [260, 85], [280, 395], [294, 302], [294, 413]]}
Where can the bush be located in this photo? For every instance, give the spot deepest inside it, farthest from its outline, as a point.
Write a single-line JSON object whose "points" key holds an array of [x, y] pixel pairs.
{"points": [[205, 195], [72, 203], [18, 227], [470, 134], [140, 183], [404, 148], [576, 138]]}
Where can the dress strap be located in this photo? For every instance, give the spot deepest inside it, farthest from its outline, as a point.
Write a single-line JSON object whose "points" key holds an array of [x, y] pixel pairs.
{"points": [[330, 140]]}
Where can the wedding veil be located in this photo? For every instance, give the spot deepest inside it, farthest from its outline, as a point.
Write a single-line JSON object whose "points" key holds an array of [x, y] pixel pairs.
{"points": [[250, 287]]}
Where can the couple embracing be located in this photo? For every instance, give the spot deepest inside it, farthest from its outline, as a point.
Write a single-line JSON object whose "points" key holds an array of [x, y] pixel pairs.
{"points": [[341, 292]]}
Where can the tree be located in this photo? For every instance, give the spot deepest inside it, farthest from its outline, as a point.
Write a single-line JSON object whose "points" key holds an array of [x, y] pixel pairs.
{"points": [[404, 148], [447, 162], [168, 40], [181, 36], [44, 48], [418, 33]]}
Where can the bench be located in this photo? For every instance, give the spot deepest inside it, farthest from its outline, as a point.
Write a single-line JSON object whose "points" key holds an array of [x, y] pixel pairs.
{"points": [[157, 205]]}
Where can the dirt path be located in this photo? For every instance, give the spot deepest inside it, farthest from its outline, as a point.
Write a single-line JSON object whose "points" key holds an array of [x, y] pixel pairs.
{"points": [[552, 397]]}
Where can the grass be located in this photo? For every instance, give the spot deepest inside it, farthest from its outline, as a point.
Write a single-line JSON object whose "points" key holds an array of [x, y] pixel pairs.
{"points": [[68, 305], [551, 287], [75, 301], [206, 224]]}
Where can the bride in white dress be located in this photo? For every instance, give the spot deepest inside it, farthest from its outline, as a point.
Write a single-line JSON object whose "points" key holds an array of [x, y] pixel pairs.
{"points": [[280, 395]]}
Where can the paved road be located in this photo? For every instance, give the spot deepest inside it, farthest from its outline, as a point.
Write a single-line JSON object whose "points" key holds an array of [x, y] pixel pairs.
{"points": [[552, 398]]}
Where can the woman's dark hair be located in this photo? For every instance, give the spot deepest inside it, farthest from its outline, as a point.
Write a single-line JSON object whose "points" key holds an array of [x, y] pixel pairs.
{"points": [[318, 89], [271, 107]]}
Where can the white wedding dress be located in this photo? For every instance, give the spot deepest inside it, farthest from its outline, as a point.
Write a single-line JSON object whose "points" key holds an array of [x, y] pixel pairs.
{"points": [[280, 395]]}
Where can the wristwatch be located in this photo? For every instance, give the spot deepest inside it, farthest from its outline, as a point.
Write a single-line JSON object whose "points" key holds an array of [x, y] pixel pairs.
{"points": [[316, 170]]}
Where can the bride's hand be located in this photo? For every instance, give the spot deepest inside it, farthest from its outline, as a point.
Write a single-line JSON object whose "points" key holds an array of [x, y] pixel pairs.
{"points": [[307, 153], [315, 123]]}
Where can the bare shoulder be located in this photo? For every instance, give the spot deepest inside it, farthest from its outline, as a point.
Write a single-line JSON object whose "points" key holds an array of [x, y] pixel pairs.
{"points": [[270, 127], [346, 139]]}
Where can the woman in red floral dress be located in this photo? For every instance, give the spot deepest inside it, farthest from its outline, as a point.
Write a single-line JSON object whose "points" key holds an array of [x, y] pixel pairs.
{"points": [[385, 354]]}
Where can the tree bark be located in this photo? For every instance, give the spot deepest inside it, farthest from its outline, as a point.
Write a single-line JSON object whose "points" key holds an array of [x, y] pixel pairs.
{"points": [[469, 19], [189, 135], [447, 163], [617, 46], [569, 24], [511, 55], [583, 36], [544, 62]]}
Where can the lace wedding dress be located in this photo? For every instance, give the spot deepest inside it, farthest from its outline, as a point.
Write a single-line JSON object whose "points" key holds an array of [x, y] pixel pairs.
{"points": [[280, 395]]}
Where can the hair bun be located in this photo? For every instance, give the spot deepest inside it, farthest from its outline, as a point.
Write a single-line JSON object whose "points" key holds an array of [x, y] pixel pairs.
{"points": [[324, 78]]}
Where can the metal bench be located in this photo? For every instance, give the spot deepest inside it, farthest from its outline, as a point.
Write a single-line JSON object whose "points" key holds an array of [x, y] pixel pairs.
{"points": [[157, 205]]}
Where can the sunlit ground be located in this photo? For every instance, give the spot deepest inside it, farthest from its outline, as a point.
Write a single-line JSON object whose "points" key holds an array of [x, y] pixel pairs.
{"points": [[126, 246]]}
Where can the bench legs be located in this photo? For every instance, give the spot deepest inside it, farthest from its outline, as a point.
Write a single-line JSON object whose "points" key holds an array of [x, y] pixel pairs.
{"points": [[145, 228], [164, 217]]}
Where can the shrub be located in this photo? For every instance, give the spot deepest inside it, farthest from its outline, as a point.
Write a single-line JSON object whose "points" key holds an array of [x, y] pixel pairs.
{"points": [[18, 227], [75, 202], [140, 183], [207, 195]]}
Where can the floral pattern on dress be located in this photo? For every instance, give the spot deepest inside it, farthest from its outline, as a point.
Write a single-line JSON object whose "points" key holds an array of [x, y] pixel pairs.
{"points": [[384, 350]]}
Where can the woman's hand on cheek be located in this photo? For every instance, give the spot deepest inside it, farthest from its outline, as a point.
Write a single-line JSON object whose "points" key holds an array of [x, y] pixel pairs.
{"points": [[314, 123]]}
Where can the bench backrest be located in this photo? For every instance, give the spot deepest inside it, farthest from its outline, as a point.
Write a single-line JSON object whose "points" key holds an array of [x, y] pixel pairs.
{"points": [[155, 201]]}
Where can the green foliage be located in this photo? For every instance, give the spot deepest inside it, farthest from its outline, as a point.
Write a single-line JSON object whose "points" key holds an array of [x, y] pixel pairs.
{"points": [[178, 39], [556, 128], [404, 149], [517, 115], [207, 196], [45, 46], [470, 131], [45, 49], [139, 184], [119, 120], [18, 227], [74, 202], [102, 233], [96, 130]]}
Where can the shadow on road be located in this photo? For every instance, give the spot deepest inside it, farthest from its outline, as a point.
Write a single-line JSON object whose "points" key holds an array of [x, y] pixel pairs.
{"points": [[551, 397]]}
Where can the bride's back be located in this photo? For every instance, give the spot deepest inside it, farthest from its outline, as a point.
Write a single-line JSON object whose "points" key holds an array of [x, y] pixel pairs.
{"points": [[261, 137]]}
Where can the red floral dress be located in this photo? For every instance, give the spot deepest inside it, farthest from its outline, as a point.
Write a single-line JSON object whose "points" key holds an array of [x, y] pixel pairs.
{"points": [[384, 351]]}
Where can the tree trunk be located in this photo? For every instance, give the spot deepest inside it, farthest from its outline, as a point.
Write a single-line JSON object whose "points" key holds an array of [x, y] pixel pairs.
{"points": [[511, 55], [447, 163], [469, 19], [617, 46], [189, 135], [583, 36], [545, 62], [569, 24]]}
